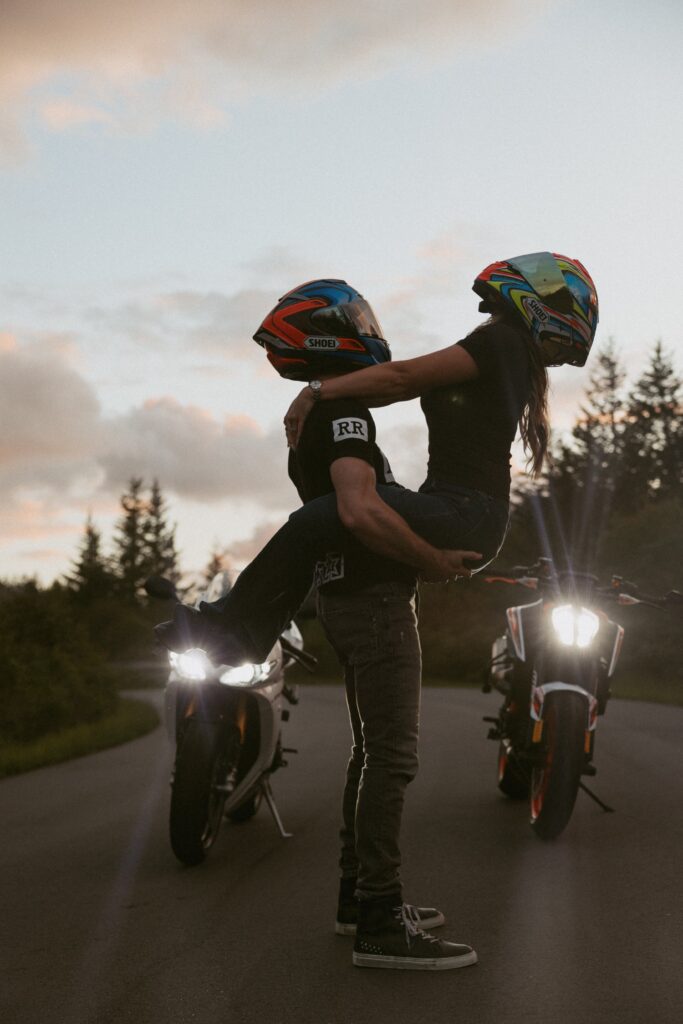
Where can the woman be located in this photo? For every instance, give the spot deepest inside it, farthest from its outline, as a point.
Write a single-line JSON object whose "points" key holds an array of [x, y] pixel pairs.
{"points": [[543, 312]]}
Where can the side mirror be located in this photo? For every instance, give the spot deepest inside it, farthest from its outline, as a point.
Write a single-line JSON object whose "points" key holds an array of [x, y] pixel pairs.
{"points": [[160, 587]]}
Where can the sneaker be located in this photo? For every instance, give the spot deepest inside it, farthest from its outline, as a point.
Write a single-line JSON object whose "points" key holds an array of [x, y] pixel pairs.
{"points": [[190, 627], [390, 936], [182, 631], [347, 911]]}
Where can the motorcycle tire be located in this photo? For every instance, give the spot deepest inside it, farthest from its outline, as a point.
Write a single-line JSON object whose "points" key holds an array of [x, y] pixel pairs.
{"points": [[555, 781], [511, 778], [204, 759], [247, 810]]}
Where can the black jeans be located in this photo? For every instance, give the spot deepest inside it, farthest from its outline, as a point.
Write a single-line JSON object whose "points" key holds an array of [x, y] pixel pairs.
{"points": [[374, 634], [269, 592]]}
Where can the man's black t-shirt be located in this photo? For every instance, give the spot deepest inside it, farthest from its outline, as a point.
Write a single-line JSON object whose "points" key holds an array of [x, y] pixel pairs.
{"points": [[472, 425], [336, 430]]}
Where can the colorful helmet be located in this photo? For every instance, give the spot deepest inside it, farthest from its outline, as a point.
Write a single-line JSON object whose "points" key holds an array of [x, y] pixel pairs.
{"points": [[552, 295], [320, 327]]}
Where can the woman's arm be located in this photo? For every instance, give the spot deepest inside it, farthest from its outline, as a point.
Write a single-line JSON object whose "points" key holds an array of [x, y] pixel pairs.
{"points": [[386, 383]]}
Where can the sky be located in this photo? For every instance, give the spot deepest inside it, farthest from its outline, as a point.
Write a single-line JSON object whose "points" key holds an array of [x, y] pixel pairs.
{"points": [[168, 170]]}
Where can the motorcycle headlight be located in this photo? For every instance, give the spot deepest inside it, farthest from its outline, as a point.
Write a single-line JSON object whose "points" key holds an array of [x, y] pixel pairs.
{"points": [[246, 675], [575, 627], [192, 665]]}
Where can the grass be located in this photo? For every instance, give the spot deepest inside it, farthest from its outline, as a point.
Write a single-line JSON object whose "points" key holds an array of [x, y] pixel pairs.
{"points": [[638, 687], [131, 719]]}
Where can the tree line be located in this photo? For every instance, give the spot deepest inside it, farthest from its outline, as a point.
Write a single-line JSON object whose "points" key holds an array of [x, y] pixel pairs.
{"points": [[623, 457], [143, 543]]}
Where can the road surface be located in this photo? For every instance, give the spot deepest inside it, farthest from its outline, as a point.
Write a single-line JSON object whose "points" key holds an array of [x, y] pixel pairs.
{"points": [[101, 925]]}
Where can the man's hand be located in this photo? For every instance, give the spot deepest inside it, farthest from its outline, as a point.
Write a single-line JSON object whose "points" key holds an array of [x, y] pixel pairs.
{"points": [[448, 565], [295, 417]]}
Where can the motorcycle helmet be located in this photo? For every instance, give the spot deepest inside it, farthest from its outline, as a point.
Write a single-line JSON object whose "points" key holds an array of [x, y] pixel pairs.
{"points": [[553, 296], [319, 327]]}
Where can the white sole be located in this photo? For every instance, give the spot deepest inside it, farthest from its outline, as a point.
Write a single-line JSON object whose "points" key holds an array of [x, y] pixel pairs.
{"points": [[408, 963], [426, 925]]}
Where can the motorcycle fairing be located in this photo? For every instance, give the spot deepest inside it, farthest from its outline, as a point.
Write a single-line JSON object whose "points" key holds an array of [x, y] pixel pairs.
{"points": [[616, 650], [521, 618], [539, 693]]}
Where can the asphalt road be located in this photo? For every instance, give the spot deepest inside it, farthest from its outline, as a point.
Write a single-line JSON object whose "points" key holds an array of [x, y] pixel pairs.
{"points": [[100, 924]]}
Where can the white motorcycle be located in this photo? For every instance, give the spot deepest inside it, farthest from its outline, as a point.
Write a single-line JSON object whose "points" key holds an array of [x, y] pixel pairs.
{"points": [[225, 722]]}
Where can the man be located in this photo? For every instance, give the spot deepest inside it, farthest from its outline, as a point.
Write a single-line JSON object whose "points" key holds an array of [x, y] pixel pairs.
{"points": [[367, 606]]}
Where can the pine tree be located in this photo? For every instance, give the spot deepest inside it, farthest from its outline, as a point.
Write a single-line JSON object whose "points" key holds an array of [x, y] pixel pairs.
{"points": [[653, 464], [91, 577], [130, 561], [218, 561], [586, 471], [160, 556]]}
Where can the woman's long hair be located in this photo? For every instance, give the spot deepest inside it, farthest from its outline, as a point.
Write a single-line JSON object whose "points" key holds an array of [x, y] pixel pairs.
{"points": [[534, 426]]}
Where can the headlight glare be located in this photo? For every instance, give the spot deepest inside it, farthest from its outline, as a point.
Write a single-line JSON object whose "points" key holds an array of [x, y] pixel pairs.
{"points": [[575, 627], [192, 665], [587, 625], [246, 675]]}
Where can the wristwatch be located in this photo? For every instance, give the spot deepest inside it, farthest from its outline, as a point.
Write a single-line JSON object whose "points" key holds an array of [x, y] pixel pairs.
{"points": [[316, 387]]}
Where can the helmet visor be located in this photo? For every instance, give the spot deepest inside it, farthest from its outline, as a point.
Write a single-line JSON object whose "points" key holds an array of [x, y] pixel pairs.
{"points": [[364, 320], [541, 271], [358, 312]]}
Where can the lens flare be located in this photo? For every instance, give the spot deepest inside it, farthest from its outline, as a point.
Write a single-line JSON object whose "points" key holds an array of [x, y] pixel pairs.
{"points": [[193, 665], [246, 675], [575, 627]]}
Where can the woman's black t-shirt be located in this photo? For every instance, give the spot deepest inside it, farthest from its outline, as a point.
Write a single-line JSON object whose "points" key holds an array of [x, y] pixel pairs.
{"points": [[472, 425]]}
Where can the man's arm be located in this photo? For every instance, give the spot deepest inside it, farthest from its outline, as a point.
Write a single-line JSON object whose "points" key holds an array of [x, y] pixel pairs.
{"points": [[383, 530]]}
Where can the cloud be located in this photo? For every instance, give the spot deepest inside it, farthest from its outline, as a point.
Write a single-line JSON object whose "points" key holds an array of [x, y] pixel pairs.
{"points": [[241, 552], [194, 60], [195, 455], [39, 394], [61, 114], [59, 452], [210, 322]]}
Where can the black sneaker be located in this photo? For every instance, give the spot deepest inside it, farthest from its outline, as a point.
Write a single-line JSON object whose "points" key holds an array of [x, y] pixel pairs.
{"points": [[390, 936], [182, 632], [190, 628], [347, 911]]}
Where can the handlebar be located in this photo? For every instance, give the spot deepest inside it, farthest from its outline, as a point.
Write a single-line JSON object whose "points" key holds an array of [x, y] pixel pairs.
{"points": [[543, 575], [304, 658]]}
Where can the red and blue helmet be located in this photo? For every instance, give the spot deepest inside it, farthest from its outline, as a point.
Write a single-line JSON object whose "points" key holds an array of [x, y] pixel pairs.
{"points": [[320, 327], [552, 295]]}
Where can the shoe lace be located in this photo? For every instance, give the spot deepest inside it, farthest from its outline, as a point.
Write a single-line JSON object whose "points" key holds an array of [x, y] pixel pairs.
{"points": [[410, 920]]}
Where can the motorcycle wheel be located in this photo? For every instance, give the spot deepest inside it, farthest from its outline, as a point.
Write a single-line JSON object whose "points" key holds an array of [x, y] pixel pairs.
{"points": [[555, 781], [204, 760], [247, 810], [511, 779]]}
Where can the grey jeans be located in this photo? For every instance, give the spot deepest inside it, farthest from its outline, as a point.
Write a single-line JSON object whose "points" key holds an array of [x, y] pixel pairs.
{"points": [[374, 634]]}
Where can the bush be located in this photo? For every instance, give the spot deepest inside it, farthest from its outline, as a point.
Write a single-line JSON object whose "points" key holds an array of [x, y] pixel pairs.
{"points": [[52, 675]]}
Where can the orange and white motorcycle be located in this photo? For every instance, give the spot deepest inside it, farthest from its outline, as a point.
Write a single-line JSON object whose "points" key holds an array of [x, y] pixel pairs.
{"points": [[554, 666]]}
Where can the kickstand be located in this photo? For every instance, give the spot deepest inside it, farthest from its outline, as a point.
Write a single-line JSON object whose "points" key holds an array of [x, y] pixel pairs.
{"points": [[268, 794], [591, 794]]}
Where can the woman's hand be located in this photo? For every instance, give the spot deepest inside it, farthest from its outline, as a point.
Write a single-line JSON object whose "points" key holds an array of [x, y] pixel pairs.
{"points": [[295, 417], [448, 565]]}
